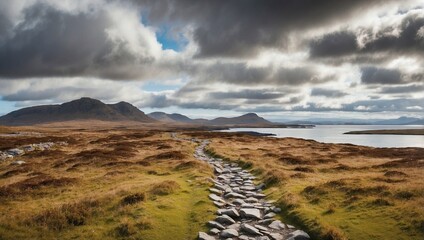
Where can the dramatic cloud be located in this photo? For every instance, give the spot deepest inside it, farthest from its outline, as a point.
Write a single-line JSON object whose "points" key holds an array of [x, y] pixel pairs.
{"points": [[373, 75], [327, 93], [244, 55]]}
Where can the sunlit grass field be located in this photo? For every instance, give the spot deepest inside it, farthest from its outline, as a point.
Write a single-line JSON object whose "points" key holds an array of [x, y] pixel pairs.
{"points": [[335, 191], [105, 185]]}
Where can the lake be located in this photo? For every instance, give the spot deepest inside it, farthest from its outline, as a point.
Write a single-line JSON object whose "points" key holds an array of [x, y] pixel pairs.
{"points": [[334, 134]]}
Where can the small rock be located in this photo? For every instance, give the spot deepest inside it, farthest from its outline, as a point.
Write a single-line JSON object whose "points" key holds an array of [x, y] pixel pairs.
{"points": [[251, 200], [277, 210], [214, 197], [214, 231], [214, 190], [276, 236], [232, 212], [234, 195], [204, 236], [235, 226], [261, 228], [229, 233], [250, 213], [277, 225], [270, 215], [214, 224], [298, 235], [250, 229], [225, 219]]}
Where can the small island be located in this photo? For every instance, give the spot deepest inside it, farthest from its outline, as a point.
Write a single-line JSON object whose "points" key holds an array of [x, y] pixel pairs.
{"points": [[390, 132]]}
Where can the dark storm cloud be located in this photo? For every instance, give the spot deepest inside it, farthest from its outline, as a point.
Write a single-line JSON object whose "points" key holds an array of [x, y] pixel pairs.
{"points": [[334, 44], [402, 89], [50, 41], [241, 28], [327, 93], [374, 75], [243, 74], [58, 44], [409, 40], [247, 94]]}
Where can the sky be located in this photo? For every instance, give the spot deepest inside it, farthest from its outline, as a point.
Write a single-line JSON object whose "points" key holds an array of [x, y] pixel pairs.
{"points": [[283, 59]]}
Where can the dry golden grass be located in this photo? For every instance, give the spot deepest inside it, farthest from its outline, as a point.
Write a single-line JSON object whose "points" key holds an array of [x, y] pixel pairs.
{"points": [[105, 184], [335, 191]]}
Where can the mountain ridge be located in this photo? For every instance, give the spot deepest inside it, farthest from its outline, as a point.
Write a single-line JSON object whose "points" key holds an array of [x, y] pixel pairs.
{"points": [[81, 109]]}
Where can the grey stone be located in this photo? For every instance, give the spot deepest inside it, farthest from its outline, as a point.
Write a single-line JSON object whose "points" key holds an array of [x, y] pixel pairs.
{"points": [[250, 229], [229, 233], [215, 197], [298, 235], [250, 213], [277, 225], [234, 195], [276, 236], [214, 190], [232, 212], [277, 210], [239, 201], [261, 228], [270, 215], [204, 236], [214, 224], [225, 219], [235, 226], [251, 200], [219, 204], [214, 231]]}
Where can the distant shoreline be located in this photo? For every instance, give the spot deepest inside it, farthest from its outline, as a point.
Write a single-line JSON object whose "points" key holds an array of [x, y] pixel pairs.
{"points": [[390, 132]]}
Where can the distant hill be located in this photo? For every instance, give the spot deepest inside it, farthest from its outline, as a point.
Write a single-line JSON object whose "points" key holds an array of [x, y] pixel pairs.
{"points": [[174, 117], [81, 109], [246, 119], [399, 121]]}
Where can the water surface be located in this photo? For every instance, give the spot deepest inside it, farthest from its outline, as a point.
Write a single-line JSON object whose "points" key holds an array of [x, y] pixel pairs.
{"points": [[334, 134]]}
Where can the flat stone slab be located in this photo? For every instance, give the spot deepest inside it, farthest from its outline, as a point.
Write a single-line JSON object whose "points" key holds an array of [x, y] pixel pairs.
{"points": [[229, 233], [250, 213], [204, 236], [250, 230]]}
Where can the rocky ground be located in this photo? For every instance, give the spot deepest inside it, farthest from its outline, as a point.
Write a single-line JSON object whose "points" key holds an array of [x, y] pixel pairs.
{"points": [[243, 211]]}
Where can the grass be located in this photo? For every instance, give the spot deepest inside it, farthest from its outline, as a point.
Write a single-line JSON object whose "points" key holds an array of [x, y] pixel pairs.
{"points": [[335, 191], [100, 186]]}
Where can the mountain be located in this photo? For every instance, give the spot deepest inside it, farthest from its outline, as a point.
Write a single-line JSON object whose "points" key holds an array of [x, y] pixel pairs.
{"points": [[174, 117], [246, 119], [81, 109], [399, 121]]}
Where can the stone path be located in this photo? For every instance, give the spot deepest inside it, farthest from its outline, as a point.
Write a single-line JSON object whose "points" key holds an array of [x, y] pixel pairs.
{"points": [[243, 212]]}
